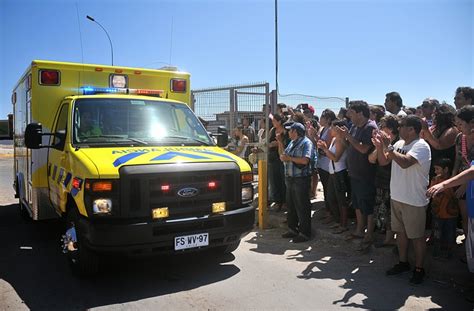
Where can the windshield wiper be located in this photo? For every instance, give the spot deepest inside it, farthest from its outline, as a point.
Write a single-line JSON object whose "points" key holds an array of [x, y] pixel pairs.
{"points": [[118, 136], [189, 138]]}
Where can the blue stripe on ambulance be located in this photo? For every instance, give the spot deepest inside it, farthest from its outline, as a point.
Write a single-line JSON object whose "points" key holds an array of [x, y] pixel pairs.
{"points": [[55, 170], [124, 159], [170, 155], [67, 179], [217, 155], [60, 177]]}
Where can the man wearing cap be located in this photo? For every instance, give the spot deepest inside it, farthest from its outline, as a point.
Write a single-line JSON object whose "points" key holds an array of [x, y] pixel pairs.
{"points": [[296, 158]]}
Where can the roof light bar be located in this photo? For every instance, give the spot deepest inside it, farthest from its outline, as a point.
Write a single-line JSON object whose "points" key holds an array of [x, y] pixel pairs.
{"points": [[89, 90]]}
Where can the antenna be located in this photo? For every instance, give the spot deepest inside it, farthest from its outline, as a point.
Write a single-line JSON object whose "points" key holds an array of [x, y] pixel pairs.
{"points": [[80, 32], [171, 40], [82, 49]]}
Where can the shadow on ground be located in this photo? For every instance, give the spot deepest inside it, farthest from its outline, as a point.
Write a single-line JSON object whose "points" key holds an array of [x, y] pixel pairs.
{"points": [[363, 274], [42, 279]]}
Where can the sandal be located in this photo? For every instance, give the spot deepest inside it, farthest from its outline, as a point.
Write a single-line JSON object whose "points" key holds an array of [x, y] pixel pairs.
{"points": [[340, 230], [353, 236]]}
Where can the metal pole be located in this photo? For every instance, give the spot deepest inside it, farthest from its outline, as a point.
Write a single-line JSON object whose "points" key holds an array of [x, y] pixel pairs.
{"points": [[276, 46], [110, 41]]}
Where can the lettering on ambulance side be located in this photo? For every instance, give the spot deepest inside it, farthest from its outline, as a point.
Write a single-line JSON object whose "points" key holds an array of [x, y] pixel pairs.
{"points": [[67, 179]]}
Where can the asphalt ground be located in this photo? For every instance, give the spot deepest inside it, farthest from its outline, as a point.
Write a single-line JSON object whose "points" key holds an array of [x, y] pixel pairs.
{"points": [[265, 273]]}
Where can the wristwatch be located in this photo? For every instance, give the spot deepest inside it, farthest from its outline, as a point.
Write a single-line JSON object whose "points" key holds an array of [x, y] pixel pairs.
{"points": [[389, 148]]}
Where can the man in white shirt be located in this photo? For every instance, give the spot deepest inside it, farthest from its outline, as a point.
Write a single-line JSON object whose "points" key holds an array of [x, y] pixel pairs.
{"points": [[411, 159]]}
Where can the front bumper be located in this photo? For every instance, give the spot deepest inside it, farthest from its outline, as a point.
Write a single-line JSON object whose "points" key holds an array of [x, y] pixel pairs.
{"points": [[157, 237]]}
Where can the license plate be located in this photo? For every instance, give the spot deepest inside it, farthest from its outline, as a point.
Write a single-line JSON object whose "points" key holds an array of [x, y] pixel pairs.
{"points": [[191, 241]]}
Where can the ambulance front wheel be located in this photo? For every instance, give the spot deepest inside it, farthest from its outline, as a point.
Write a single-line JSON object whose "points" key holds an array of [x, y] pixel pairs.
{"points": [[82, 260]]}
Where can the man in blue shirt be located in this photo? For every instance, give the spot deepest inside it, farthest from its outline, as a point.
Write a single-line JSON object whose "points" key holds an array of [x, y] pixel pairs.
{"points": [[296, 159]]}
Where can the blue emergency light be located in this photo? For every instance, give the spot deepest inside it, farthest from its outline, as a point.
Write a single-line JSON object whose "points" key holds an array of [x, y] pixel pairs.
{"points": [[90, 90]]}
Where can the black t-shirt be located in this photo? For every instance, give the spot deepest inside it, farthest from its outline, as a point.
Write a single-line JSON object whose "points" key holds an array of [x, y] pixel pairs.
{"points": [[358, 164], [273, 151]]}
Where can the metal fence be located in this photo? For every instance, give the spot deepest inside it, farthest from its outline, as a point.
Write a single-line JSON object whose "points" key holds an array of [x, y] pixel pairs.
{"points": [[227, 106], [319, 103]]}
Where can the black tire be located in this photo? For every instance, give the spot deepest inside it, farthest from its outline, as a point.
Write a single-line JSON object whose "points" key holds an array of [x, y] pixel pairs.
{"points": [[83, 262]]}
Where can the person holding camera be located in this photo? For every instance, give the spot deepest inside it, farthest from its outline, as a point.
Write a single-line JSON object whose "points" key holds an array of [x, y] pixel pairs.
{"points": [[296, 158]]}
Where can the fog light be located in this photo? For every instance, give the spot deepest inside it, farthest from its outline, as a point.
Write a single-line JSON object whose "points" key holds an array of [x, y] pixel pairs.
{"points": [[247, 194], [161, 212], [102, 206], [218, 207]]}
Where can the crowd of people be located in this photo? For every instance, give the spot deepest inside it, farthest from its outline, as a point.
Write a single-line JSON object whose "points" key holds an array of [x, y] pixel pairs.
{"points": [[376, 162]]}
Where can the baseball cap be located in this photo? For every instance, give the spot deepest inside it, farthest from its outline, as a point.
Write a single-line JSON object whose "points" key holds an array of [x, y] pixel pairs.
{"points": [[296, 126]]}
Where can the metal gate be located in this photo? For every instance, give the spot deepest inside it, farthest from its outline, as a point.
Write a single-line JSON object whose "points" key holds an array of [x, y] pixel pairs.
{"points": [[227, 106]]}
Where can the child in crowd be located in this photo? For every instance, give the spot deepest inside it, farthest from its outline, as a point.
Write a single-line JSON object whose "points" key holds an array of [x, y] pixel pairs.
{"points": [[445, 212]]}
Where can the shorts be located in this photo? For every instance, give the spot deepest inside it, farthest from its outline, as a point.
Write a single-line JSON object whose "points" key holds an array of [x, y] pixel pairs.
{"points": [[363, 196], [408, 218]]}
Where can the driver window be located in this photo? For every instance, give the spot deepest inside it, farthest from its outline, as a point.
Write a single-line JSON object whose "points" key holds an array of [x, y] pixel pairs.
{"points": [[61, 126]]}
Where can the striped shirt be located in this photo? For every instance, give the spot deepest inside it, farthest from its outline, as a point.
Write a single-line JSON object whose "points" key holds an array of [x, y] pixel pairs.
{"points": [[302, 147]]}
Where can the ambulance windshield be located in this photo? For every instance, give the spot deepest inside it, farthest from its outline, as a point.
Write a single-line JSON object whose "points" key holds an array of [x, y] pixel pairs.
{"points": [[113, 121]]}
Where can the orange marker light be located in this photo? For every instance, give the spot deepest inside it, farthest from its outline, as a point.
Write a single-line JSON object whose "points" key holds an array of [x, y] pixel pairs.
{"points": [[247, 177], [102, 186]]}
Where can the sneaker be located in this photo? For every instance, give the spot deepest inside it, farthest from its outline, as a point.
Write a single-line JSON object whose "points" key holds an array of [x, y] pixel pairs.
{"points": [[289, 235], [300, 238], [418, 275], [399, 268]]}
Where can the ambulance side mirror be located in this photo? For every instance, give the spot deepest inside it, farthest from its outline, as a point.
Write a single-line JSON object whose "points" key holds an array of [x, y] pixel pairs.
{"points": [[222, 136], [60, 138], [33, 135]]}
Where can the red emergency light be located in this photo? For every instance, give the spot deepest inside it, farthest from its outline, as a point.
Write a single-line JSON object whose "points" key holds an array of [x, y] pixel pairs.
{"points": [[178, 85], [49, 77]]}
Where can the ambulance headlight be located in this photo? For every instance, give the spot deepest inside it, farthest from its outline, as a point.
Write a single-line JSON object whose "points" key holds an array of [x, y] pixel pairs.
{"points": [[102, 207], [247, 194]]}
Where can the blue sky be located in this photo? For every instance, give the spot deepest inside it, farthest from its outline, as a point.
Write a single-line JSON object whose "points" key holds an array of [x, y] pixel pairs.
{"points": [[358, 49]]}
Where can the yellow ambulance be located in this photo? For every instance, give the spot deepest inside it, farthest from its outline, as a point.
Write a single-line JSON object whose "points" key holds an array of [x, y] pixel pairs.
{"points": [[119, 154]]}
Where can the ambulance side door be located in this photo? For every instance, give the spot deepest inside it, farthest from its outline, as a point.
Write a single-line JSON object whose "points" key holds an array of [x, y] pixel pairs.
{"points": [[59, 175]]}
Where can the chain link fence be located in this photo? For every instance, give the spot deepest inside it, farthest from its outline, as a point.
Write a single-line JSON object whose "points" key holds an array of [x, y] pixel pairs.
{"points": [[228, 106], [319, 103]]}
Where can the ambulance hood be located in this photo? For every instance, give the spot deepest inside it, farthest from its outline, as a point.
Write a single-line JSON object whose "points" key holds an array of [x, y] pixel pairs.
{"points": [[109, 160]]}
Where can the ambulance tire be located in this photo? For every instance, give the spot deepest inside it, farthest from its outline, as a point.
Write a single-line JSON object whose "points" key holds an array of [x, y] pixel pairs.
{"points": [[83, 262], [227, 249]]}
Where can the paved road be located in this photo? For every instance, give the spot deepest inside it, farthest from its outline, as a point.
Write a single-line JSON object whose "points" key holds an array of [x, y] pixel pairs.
{"points": [[265, 273]]}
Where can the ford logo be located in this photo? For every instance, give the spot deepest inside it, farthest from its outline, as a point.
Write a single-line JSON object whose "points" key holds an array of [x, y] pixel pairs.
{"points": [[188, 192]]}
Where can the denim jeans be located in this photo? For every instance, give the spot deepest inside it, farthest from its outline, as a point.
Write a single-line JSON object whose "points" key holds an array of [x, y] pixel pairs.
{"points": [[298, 204]]}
